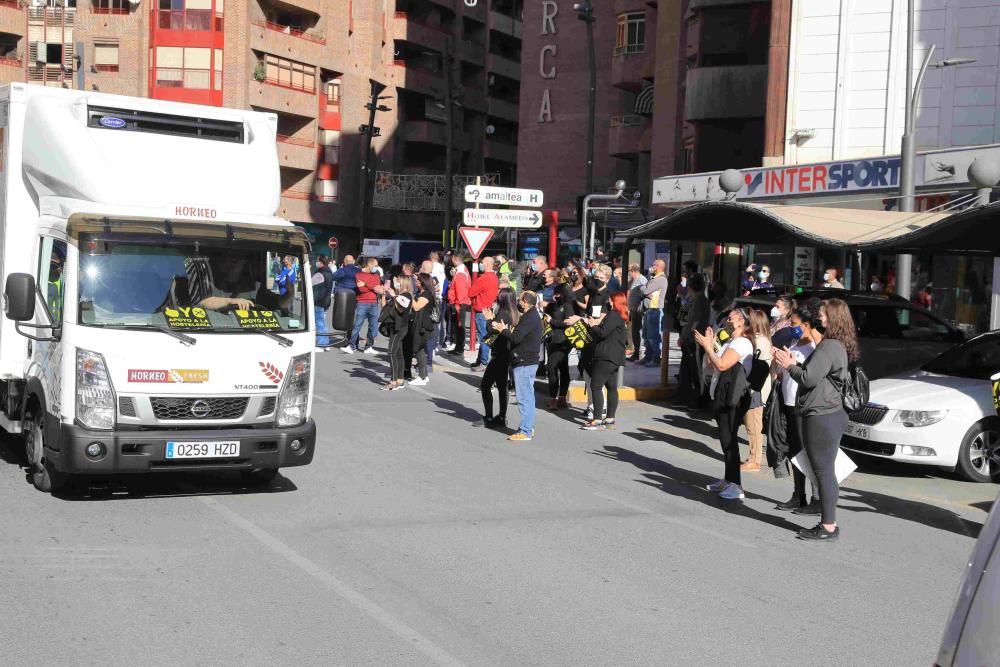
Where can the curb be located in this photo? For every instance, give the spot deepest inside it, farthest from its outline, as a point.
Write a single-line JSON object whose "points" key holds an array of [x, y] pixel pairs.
{"points": [[578, 393]]}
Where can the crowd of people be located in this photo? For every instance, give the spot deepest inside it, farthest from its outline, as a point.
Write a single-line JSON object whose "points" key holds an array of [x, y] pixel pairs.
{"points": [[780, 373]]}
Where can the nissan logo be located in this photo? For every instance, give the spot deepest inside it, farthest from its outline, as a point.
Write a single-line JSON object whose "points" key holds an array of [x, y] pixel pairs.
{"points": [[201, 409]]}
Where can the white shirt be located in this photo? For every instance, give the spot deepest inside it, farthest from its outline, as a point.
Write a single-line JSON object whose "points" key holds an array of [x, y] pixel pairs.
{"points": [[437, 271], [789, 387], [743, 347]]}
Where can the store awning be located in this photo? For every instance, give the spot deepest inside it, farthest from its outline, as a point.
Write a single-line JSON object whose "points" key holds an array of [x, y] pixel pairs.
{"points": [[820, 226], [972, 231]]}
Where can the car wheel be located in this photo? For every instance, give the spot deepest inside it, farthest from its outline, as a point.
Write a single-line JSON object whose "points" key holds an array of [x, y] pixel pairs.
{"points": [[979, 457], [44, 477]]}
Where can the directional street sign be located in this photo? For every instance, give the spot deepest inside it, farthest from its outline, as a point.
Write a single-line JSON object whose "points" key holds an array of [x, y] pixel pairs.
{"points": [[487, 194], [497, 217], [475, 239]]}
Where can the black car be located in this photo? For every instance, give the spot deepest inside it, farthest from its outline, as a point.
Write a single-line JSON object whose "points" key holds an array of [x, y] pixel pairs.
{"points": [[895, 335]]}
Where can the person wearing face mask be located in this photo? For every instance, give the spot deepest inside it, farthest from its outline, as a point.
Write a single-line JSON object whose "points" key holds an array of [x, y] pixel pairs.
{"points": [[534, 279], [780, 313], [654, 296], [763, 278], [876, 285], [801, 348], [322, 287], [748, 279], [524, 341], [830, 279], [557, 311], [730, 393]]}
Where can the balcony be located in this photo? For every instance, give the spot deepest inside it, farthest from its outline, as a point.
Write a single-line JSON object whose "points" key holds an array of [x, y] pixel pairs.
{"points": [[287, 42], [736, 91], [500, 149], [11, 70], [630, 6], [410, 29], [283, 99], [629, 66], [500, 109], [626, 134], [474, 99], [311, 6], [472, 52], [429, 132], [304, 206], [416, 78], [297, 153], [507, 25], [12, 20], [503, 66]]}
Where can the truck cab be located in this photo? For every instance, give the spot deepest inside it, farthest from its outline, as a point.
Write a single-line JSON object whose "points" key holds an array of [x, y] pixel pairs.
{"points": [[156, 314]]}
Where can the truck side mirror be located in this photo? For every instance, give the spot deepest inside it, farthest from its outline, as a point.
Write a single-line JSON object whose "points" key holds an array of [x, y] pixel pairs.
{"points": [[19, 297]]}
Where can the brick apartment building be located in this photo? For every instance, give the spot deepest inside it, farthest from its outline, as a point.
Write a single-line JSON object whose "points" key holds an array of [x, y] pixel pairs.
{"points": [[308, 61], [682, 86]]}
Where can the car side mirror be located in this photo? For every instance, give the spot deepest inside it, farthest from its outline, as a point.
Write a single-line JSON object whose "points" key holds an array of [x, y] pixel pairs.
{"points": [[19, 297]]}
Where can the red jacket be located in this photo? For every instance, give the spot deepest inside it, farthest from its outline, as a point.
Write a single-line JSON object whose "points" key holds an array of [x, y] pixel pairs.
{"points": [[484, 291], [366, 292], [458, 288]]}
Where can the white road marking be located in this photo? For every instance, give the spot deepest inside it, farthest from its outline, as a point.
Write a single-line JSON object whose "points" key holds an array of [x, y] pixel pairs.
{"points": [[341, 406], [369, 607], [681, 522]]}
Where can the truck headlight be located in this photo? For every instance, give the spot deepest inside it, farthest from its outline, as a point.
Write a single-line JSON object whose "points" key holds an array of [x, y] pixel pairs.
{"points": [[293, 400], [916, 418], [95, 397]]}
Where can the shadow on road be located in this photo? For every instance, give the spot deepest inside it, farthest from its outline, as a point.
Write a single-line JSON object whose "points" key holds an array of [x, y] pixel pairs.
{"points": [[457, 410], [172, 485], [909, 510], [705, 428], [695, 446], [691, 485]]}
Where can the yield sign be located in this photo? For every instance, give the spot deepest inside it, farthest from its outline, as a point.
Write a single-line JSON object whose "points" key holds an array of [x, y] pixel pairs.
{"points": [[475, 239]]}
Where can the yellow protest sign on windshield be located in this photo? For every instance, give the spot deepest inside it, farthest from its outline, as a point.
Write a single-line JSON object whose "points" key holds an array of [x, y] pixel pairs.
{"points": [[257, 319], [187, 318]]}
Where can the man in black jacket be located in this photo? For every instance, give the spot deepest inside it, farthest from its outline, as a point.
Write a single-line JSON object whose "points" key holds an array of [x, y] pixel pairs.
{"points": [[525, 340], [322, 286]]}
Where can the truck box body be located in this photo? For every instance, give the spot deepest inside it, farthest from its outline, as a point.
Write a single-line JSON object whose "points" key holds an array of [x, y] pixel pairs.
{"points": [[149, 228]]}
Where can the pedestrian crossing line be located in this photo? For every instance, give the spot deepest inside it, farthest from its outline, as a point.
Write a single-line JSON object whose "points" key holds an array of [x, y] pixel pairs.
{"points": [[687, 524], [370, 608]]}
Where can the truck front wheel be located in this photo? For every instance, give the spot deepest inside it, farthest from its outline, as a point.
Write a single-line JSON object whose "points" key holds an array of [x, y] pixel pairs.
{"points": [[44, 477]]}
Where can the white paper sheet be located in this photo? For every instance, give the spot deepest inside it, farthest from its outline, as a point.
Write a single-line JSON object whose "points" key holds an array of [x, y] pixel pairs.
{"points": [[843, 466]]}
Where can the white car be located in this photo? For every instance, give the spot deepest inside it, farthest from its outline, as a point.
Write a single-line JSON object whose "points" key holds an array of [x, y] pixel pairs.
{"points": [[940, 415]]}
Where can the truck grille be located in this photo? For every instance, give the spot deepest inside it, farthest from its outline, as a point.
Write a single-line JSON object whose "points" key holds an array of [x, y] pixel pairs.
{"points": [[267, 406], [869, 415], [126, 408], [173, 408]]}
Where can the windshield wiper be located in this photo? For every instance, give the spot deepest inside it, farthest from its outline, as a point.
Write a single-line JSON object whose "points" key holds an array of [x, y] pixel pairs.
{"points": [[283, 341], [184, 338]]}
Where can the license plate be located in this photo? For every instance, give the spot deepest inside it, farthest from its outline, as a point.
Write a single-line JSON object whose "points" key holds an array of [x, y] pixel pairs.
{"points": [[861, 432], [202, 450]]}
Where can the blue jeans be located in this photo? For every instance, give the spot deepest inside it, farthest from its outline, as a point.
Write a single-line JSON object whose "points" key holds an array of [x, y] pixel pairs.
{"points": [[365, 311], [524, 389], [484, 350], [430, 346], [651, 332], [321, 338]]}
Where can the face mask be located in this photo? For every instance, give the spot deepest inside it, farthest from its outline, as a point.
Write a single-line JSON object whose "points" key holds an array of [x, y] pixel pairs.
{"points": [[818, 326], [876, 287], [796, 332], [775, 313], [762, 275]]}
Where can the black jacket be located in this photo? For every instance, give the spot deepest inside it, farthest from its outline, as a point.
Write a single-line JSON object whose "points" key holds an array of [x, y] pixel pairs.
{"points": [[558, 312], [611, 339], [525, 339], [322, 291], [733, 389]]}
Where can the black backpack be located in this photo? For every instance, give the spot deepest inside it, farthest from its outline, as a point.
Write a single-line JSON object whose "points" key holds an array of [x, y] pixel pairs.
{"points": [[854, 393]]}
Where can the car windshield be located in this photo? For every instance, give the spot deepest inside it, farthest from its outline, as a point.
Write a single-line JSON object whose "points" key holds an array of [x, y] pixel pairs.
{"points": [[978, 359], [190, 286]]}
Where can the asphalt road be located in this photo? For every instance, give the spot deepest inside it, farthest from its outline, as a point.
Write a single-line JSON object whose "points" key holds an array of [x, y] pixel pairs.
{"points": [[417, 538]]}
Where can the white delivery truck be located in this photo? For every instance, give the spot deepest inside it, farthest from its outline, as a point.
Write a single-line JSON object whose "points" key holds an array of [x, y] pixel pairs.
{"points": [[156, 317]]}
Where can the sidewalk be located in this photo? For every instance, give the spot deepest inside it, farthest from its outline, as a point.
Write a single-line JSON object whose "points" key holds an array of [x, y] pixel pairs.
{"points": [[641, 383]]}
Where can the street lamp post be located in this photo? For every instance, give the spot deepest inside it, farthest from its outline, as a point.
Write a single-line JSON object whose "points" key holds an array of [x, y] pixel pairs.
{"points": [[366, 169], [585, 12], [908, 150]]}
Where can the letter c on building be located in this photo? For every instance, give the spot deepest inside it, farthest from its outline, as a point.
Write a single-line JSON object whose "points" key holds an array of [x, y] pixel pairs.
{"points": [[551, 73]]}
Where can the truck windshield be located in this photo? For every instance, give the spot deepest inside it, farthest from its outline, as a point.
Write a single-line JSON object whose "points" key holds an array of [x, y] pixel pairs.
{"points": [[190, 287]]}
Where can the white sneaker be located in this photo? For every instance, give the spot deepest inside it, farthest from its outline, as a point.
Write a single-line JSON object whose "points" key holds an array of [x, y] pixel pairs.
{"points": [[717, 486], [347, 349], [732, 492], [418, 382], [320, 350], [370, 350]]}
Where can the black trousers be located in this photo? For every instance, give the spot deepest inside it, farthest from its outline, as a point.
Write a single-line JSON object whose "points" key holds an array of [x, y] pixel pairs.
{"points": [[822, 442], [729, 420], [604, 374], [459, 319], [496, 375], [557, 367], [408, 348], [690, 385], [396, 355], [419, 348], [793, 433], [635, 330]]}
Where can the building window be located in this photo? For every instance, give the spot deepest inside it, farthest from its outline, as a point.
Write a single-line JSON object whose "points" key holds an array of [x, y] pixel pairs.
{"points": [[105, 57], [631, 36], [333, 93], [290, 74], [189, 15], [110, 6], [185, 67]]}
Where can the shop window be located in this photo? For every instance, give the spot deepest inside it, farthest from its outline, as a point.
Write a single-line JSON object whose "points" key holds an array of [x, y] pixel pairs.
{"points": [[631, 36], [105, 57]]}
